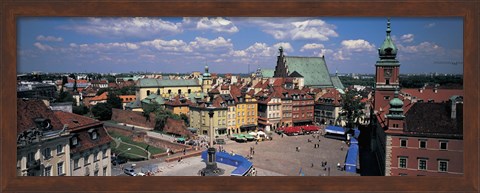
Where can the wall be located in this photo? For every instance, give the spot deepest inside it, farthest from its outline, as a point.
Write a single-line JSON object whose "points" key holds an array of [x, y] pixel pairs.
{"points": [[133, 118]]}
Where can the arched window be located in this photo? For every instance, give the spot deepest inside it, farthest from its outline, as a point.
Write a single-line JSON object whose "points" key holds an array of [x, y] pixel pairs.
{"points": [[148, 92], [179, 91]]}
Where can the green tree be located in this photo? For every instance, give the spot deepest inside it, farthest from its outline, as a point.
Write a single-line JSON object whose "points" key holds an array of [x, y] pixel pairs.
{"points": [[114, 100], [185, 119], [352, 109], [66, 97], [102, 111], [80, 110]]}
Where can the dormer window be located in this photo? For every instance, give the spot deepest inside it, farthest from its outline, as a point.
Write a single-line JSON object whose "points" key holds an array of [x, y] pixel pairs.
{"points": [[75, 140], [93, 134]]}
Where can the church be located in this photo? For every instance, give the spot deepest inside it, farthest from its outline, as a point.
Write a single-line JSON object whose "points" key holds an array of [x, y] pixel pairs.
{"points": [[313, 70]]}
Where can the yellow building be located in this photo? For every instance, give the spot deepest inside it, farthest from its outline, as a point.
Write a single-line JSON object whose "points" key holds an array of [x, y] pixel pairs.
{"points": [[199, 118], [166, 88], [178, 105], [246, 113]]}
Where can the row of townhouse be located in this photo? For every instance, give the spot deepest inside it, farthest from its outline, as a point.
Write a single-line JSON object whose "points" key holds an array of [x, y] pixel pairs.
{"points": [[57, 143]]}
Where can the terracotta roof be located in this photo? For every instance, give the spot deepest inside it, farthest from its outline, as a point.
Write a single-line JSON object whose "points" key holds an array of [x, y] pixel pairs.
{"points": [[86, 142], [29, 110], [126, 98], [101, 97], [442, 95], [434, 118], [76, 122], [177, 101], [99, 82]]}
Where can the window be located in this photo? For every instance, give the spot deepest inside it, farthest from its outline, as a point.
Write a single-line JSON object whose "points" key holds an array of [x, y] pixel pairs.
{"points": [[75, 163], [104, 154], [95, 173], [60, 168], [47, 153], [422, 164], [85, 160], [443, 145], [94, 135], [442, 165], [105, 171], [59, 149], [189, 91], [74, 141], [402, 162], [422, 144], [386, 97], [95, 157], [403, 142], [48, 171], [179, 91], [31, 157], [148, 92]]}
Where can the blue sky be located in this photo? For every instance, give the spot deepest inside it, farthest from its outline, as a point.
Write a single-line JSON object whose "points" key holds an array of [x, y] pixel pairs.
{"points": [[170, 45]]}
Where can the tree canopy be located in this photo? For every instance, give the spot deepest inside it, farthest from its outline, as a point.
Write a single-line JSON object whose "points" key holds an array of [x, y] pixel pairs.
{"points": [[352, 108]]}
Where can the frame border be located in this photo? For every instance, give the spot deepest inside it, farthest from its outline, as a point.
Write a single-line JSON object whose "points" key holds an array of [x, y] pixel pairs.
{"points": [[10, 10]]}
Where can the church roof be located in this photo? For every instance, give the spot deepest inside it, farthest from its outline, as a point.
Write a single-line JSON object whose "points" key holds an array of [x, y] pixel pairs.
{"points": [[267, 73], [150, 82], [313, 69], [337, 83]]}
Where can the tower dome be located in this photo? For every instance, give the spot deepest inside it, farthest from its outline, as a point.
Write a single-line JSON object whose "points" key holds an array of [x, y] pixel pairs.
{"points": [[388, 48], [396, 108]]}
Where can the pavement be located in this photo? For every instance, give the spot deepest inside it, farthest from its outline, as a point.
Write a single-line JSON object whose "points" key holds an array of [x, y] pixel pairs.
{"points": [[271, 158]]}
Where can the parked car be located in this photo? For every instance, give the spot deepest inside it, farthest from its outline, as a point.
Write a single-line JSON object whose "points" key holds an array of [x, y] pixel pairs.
{"points": [[130, 171], [118, 160]]}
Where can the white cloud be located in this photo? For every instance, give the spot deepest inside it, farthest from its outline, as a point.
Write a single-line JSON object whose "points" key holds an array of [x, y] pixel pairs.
{"points": [[311, 47], [296, 29], [126, 27], [49, 38], [287, 47], [43, 47], [211, 45], [340, 55], [168, 45], [407, 38], [424, 48], [218, 24], [357, 45]]}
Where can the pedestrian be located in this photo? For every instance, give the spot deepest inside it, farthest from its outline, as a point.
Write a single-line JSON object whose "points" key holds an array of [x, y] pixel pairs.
{"points": [[312, 165], [256, 142], [253, 152], [338, 165], [296, 148], [282, 135], [341, 148]]}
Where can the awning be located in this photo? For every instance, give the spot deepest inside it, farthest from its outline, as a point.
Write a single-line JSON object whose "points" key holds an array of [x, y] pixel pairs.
{"points": [[351, 160], [335, 130], [248, 126], [221, 129]]}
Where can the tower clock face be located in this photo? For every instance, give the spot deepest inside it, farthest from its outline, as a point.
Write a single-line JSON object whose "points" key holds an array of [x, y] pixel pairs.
{"points": [[388, 72]]}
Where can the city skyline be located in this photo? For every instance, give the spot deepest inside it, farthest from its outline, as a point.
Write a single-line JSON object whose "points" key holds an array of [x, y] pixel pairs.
{"points": [[235, 45]]}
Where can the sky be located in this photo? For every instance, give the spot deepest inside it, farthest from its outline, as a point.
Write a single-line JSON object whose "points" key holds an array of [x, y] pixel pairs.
{"points": [[233, 45]]}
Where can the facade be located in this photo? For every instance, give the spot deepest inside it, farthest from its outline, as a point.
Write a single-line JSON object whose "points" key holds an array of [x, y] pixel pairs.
{"points": [[302, 108], [328, 107], [269, 110], [42, 141], [36, 90], [166, 88], [200, 120], [287, 107], [127, 99], [246, 113], [178, 105], [89, 145]]}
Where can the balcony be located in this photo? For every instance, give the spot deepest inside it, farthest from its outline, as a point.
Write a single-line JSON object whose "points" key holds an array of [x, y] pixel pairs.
{"points": [[33, 165]]}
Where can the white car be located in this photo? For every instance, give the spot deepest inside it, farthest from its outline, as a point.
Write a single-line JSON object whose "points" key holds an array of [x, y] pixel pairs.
{"points": [[130, 171]]}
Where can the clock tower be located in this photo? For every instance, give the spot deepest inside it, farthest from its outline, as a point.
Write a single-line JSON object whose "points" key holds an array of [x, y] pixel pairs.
{"points": [[386, 73]]}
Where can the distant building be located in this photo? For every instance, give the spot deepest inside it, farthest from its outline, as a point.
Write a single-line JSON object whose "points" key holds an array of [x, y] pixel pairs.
{"points": [[166, 88], [328, 107], [36, 90]]}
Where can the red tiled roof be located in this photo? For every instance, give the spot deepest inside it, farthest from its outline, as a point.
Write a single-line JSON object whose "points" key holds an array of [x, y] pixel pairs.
{"points": [[442, 95], [214, 91], [126, 98], [86, 142], [76, 122], [29, 110], [175, 101], [102, 97]]}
